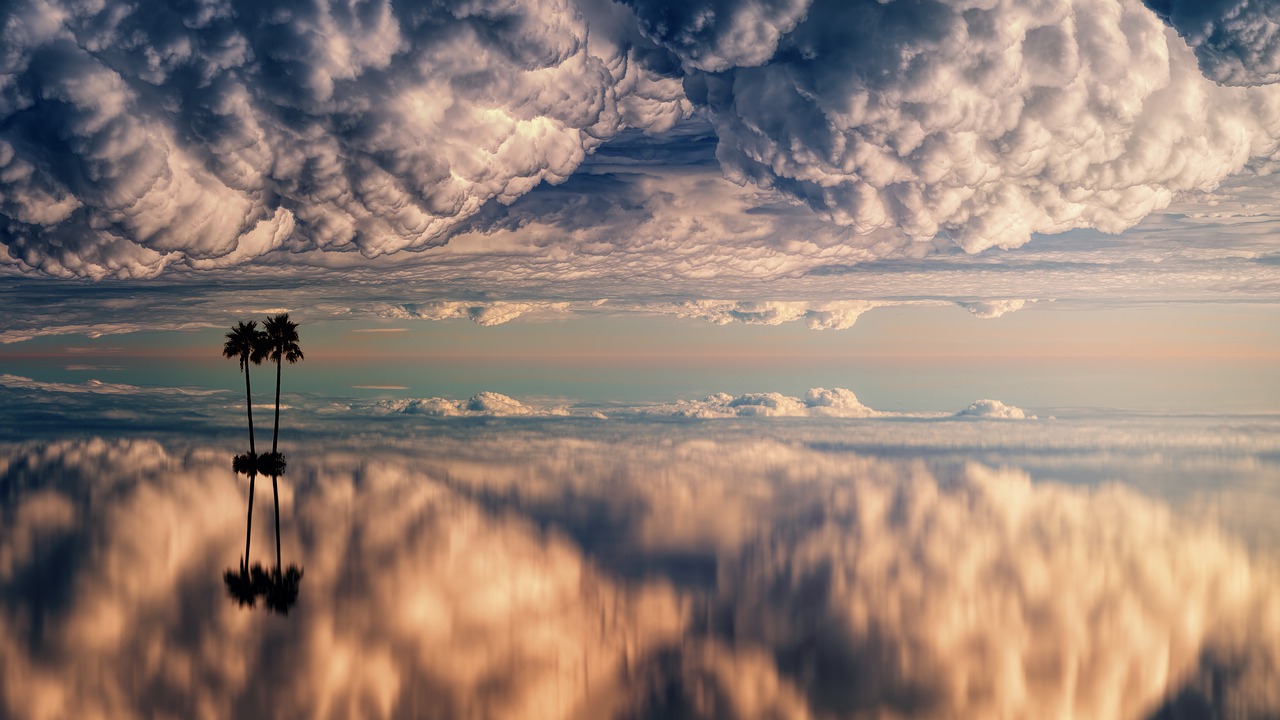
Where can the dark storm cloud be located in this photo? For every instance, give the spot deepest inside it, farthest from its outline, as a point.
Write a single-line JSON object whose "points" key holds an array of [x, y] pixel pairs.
{"points": [[1236, 41]]}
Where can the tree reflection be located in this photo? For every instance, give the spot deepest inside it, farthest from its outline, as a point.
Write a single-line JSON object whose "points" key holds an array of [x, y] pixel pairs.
{"points": [[278, 587], [240, 584]]}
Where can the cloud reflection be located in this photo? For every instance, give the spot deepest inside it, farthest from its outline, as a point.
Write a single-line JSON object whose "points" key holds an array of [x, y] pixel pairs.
{"points": [[503, 573]]}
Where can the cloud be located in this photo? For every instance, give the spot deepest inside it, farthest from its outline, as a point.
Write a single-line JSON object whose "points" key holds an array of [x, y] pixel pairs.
{"points": [[141, 136], [718, 35], [816, 316], [982, 124], [97, 387], [486, 314], [487, 404], [93, 329], [994, 409], [1237, 42], [988, 309], [818, 402]]}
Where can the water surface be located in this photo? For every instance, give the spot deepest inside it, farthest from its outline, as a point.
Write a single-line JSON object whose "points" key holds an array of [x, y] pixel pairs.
{"points": [[1120, 566]]}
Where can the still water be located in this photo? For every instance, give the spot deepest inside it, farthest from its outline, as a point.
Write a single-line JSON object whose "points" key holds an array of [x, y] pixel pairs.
{"points": [[1088, 567]]}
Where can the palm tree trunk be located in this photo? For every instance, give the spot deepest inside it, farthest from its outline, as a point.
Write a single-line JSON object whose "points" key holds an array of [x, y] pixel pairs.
{"points": [[275, 492], [248, 406], [248, 532], [275, 432]]}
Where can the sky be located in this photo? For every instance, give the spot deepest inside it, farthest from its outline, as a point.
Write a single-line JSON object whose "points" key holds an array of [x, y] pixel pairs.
{"points": [[1057, 203]]}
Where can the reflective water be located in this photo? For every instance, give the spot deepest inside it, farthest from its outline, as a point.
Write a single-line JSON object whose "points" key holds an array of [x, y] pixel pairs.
{"points": [[551, 568]]}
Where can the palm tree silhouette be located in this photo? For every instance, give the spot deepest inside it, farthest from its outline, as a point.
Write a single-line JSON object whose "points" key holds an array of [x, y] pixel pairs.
{"points": [[245, 341], [281, 344]]}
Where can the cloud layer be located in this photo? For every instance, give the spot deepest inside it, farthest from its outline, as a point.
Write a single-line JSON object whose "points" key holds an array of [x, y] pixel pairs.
{"points": [[985, 123], [141, 136]]}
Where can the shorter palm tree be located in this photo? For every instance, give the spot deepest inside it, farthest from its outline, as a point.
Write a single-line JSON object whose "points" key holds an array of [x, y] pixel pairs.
{"points": [[246, 343]]}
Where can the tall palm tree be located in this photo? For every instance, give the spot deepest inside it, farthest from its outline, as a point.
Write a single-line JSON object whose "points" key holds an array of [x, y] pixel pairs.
{"points": [[281, 344], [245, 341]]}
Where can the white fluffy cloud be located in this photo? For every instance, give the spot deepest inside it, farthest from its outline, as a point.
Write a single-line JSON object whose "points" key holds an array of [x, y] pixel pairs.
{"points": [[817, 316], [988, 309], [481, 313], [994, 409], [985, 122], [818, 402], [143, 136], [136, 136], [486, 404]]}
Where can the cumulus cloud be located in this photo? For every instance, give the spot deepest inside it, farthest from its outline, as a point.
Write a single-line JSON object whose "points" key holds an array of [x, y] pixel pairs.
{"points": [[144, 136], [717, 35], [988, 309], [488, 404], [137, 136], [1237, 42], [982, 123], [818, 402], [816, 316], [486, 314], [994, 409]]}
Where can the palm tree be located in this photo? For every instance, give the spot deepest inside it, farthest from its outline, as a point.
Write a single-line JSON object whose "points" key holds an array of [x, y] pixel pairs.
{"points": [[281, 344], [245, 341]]}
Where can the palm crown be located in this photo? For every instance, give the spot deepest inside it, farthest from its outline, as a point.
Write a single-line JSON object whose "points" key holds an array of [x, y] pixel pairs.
{"points": [[245, 342], [281, 339]]}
